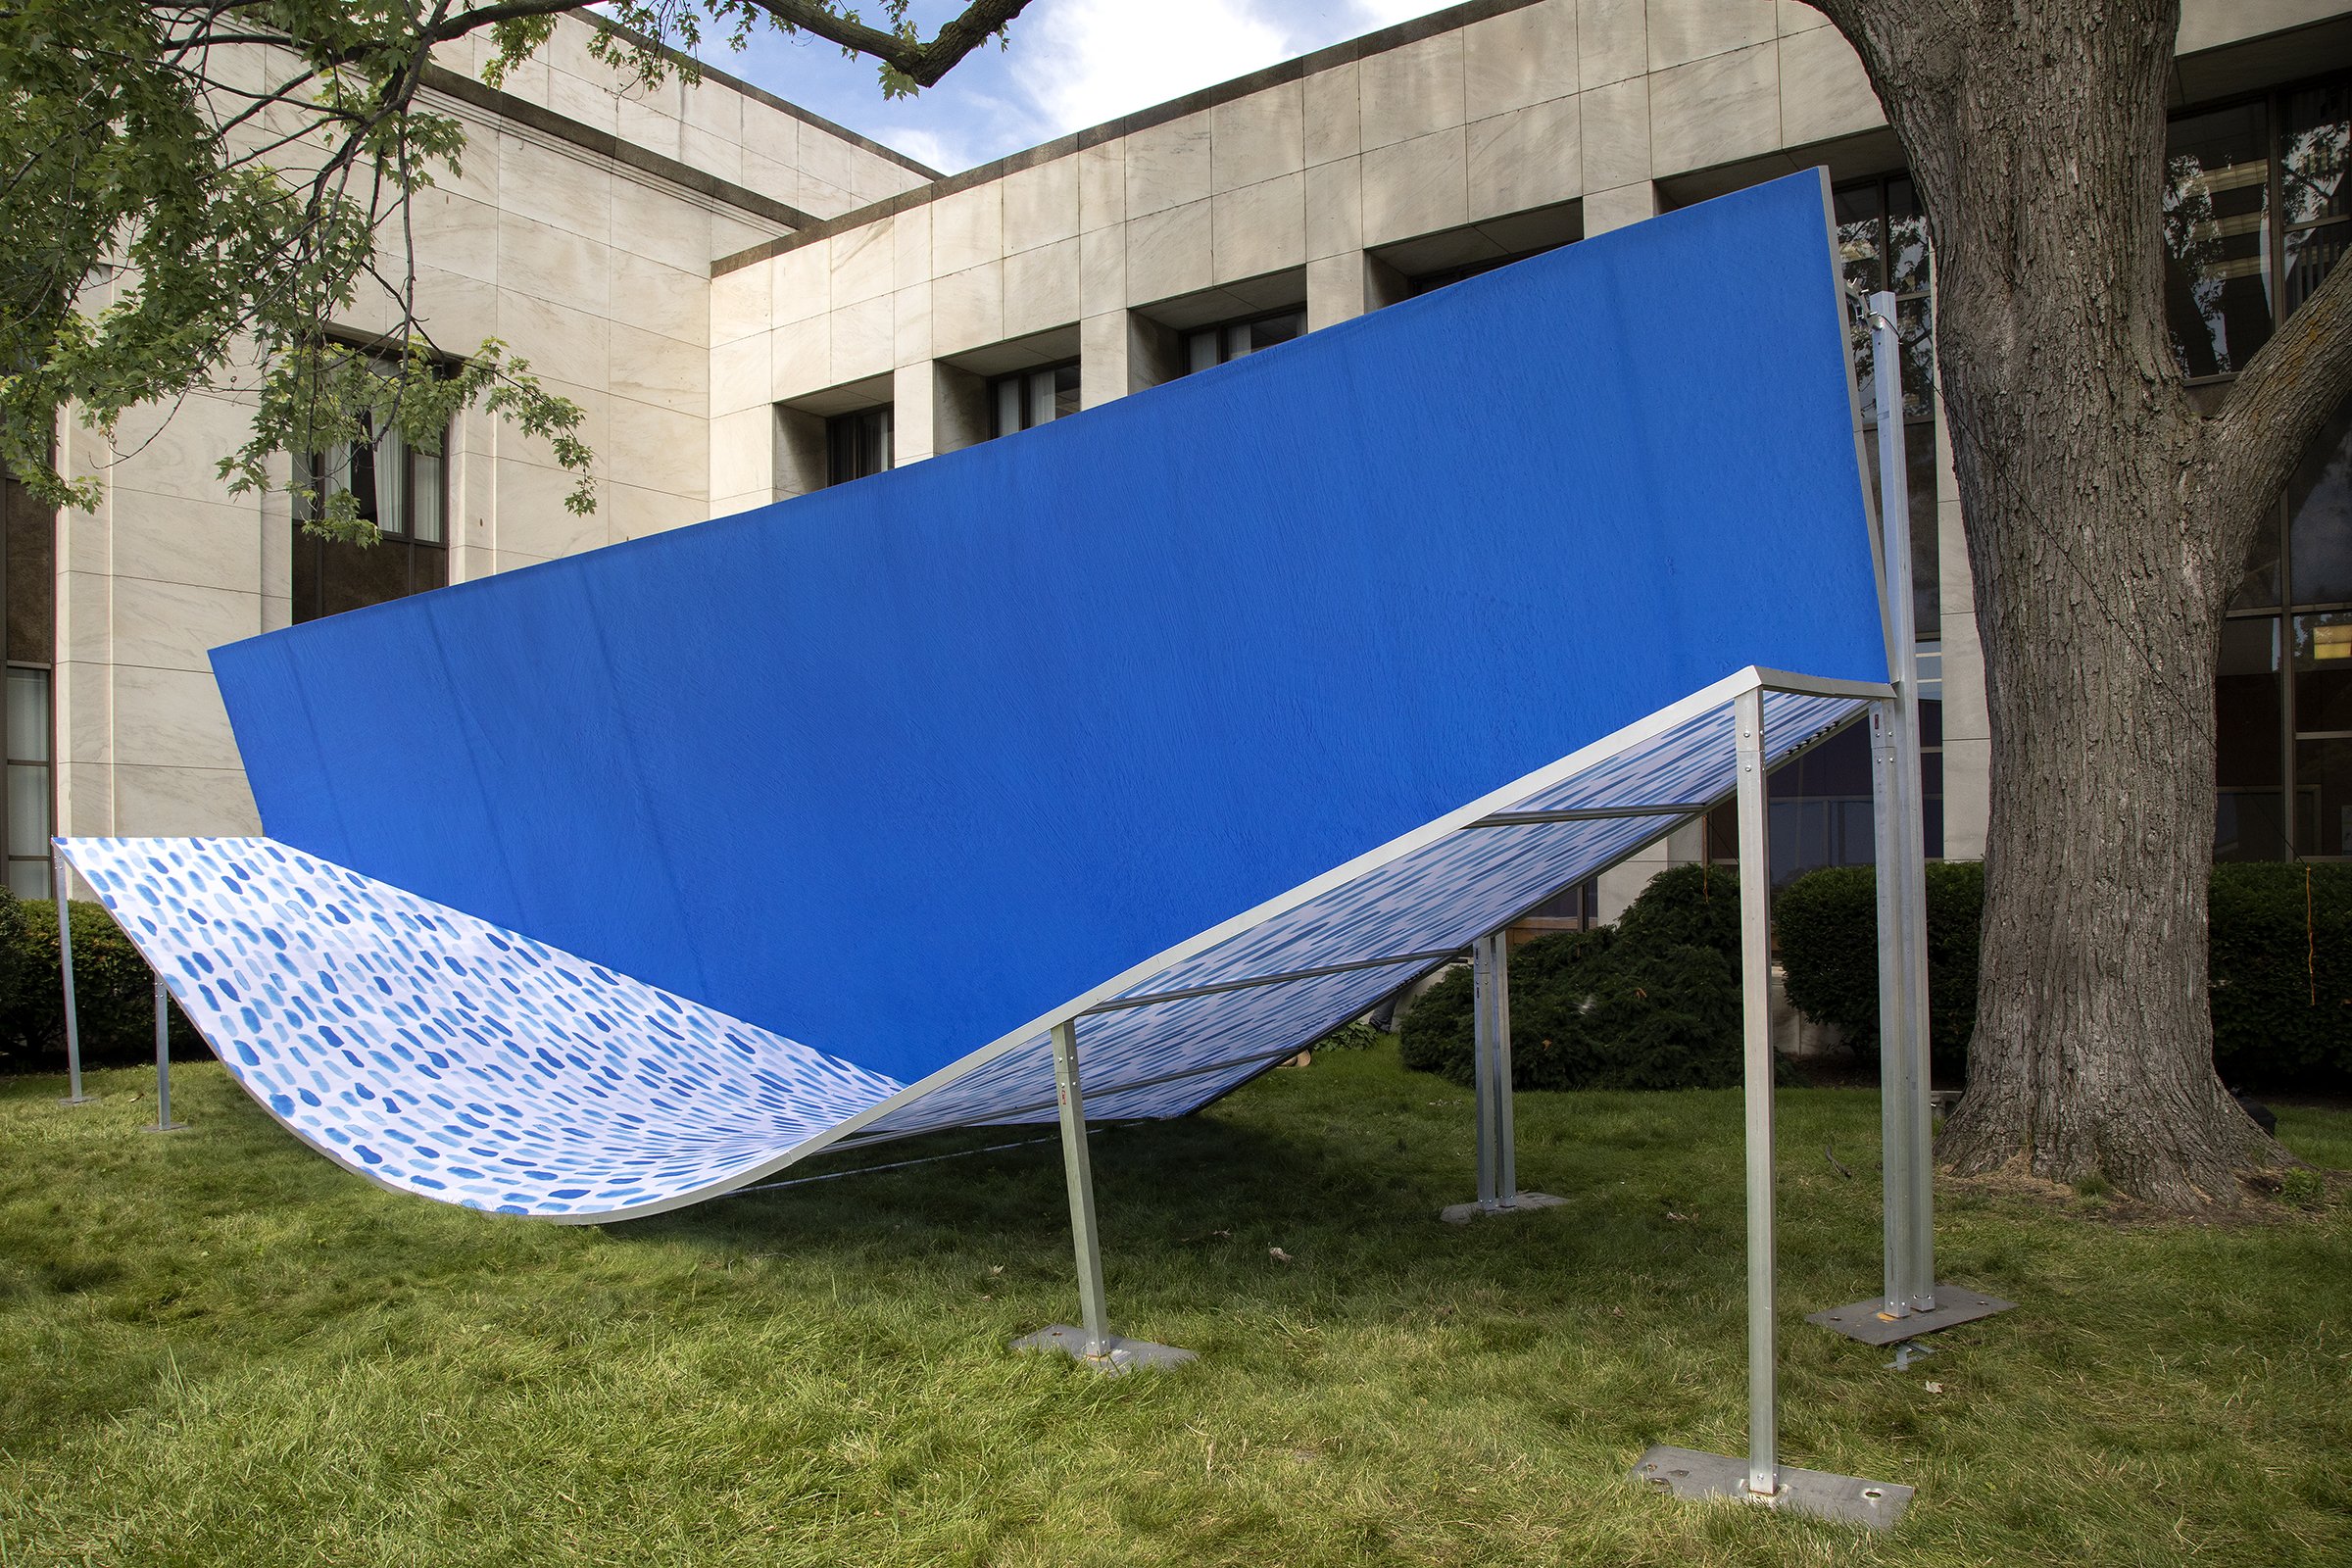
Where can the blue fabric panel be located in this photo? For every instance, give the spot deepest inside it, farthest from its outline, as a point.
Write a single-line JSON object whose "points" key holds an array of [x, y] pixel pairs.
{"points": [[897, 768]]}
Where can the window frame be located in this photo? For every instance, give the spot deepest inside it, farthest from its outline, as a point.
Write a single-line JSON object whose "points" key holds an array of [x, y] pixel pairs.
{"points": [[1022, 385], [401, 536], [876, 424], [2288, 607], [1218, 330]]}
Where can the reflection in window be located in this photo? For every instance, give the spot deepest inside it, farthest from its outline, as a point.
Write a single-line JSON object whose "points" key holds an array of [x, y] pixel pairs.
{"points": [[2217, 236], [1216, 345], [28, 605], [2315, 126], [404, 492], [2256, 211], [1027, 398], [1882, 244], [858, 444], [2319, 506]]}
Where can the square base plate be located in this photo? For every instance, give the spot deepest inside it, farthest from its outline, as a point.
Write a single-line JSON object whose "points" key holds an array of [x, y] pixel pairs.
{"points": [[1464, 1213], [1125, 1355], [1862, 1320], [1689, 1473]]}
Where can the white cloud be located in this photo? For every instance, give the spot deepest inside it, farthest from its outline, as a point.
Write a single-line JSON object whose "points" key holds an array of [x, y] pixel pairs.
{"points": [[1381, 13], [942, 149], [1082, 62]]}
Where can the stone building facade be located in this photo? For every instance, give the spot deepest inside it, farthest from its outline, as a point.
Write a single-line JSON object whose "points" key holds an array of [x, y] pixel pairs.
{"points": [[753, 303]]}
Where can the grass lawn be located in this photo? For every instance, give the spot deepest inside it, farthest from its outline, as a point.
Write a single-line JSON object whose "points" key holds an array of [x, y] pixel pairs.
{"points": [[217, 1348]]}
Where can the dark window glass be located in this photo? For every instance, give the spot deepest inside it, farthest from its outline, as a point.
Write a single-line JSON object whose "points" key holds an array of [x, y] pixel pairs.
{"points": [[2319, 503], [404, 492], [2316, 209], [1027, 398], [32, 577], [2324, 796], [1217, 345], [2217, 233], [1822, 809], [2256, 211], [2324, 673], [858, 444], [2249, 822], [29, 612]]}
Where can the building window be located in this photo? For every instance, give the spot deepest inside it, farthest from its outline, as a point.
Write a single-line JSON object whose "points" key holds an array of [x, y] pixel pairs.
{"points": [[405, 492], [28, 782], [2255, 214], [858, 444], [1821, 807], [28, 605], [1027, 398], [1574, 908], [1216, 345]]}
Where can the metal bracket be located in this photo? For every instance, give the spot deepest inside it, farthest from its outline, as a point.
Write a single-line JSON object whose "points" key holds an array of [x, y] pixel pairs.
{"points": [[1117, 1355], [1873, 1322], [1848, 1499], [1516, 1203]]}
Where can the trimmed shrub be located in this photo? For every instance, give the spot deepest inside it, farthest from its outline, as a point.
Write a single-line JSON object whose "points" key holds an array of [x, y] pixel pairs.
{"points": [[113, 993], [2280, 954], [1652, 1003], [1826, 924], [2280, 971]]}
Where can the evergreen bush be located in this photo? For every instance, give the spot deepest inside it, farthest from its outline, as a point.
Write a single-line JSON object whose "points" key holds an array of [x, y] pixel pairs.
{"points": [[1652, 1002], [1826, 926], [113, 993], [2279, 953], [2279, 945]]}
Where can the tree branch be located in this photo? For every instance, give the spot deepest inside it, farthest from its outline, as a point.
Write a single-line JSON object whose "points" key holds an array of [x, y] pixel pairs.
{"points": [[924, 64], [2285, 394]]}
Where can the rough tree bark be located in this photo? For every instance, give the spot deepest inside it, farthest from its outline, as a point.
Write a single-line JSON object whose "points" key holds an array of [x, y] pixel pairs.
{"points": [[2107, 521]]}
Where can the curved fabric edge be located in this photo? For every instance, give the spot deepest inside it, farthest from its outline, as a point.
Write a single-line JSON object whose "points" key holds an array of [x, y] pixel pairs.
{"points": [[440, 1056]]}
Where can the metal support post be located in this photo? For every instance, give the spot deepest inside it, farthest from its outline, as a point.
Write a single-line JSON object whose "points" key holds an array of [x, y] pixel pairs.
{"points": [[1078, 1173], [1762, 1478], [1915, 1288], [1091, 1342], [163, 1059], [1894, 1061], [1911, 1302], [60, 879], [1490, 1050], [1491, 1082], [1755, 1018]]}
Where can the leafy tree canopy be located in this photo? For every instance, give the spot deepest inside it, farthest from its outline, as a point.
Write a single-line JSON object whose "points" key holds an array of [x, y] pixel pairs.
{"points": [[198, 196]]}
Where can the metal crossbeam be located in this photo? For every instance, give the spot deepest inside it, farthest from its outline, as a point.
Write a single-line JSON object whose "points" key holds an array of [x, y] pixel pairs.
{"points": [[1281, 977], [1587, 814]]}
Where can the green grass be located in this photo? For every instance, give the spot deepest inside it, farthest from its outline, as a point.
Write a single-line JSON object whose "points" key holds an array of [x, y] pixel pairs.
{"points": [[217, 1348]]}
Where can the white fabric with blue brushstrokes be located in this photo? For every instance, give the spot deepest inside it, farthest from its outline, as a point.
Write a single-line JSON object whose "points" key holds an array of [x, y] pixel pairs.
{"points": [[439, 1055]]}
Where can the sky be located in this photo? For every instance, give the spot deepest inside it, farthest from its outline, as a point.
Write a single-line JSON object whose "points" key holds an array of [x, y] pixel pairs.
{"points": [[1071, 64]]}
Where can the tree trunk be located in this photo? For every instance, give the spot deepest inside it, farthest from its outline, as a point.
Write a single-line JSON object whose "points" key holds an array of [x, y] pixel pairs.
{"points": [[2107, 522]]}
